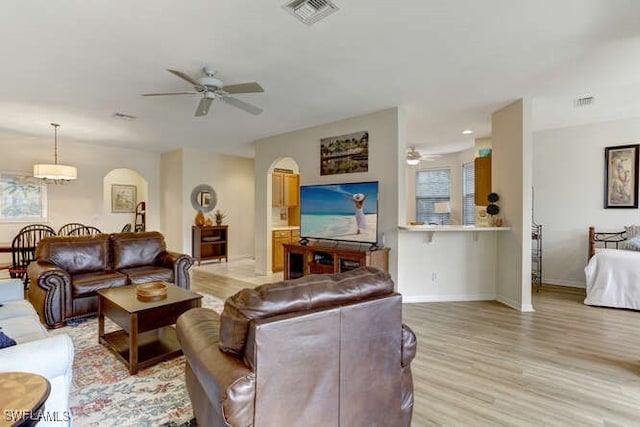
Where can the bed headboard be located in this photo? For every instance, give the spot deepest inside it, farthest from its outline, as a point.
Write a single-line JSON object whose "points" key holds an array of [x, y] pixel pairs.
{"points": [[606, 239]]}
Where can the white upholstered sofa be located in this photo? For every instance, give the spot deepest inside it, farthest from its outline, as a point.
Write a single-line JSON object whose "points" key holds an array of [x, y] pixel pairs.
{"points": [[36, 351]]}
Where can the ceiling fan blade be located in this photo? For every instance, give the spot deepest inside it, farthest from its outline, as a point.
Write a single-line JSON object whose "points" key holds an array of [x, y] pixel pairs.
{"points": [[185, 77], [203, 107], [171, 93], [242, 105], [251, 87]]}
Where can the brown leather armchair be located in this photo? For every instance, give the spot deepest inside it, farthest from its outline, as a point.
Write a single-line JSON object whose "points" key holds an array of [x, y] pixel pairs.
{"points": [[68, 271], [323, 350]]}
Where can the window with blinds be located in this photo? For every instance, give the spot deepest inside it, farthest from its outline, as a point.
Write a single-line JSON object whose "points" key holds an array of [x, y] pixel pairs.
{"points": [[432, 186], [468, 194]]}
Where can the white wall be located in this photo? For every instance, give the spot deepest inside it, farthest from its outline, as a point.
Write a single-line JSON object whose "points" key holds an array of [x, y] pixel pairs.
{"points": [[511, 179], [568, 178], [452, 161], [81, 200], [172, 200], [385, 132], [233, 180]]}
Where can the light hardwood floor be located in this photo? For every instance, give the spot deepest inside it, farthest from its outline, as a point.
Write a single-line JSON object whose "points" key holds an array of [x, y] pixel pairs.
{"points": [[485, 364]]}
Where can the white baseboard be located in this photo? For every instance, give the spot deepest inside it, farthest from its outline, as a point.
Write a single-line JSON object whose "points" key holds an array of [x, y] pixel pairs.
{"points": [[525, 308], [448, 298], [560, 282]]}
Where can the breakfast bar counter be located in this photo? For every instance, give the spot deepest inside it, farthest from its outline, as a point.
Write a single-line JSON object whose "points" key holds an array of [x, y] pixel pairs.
{"points": [[448, 262]]}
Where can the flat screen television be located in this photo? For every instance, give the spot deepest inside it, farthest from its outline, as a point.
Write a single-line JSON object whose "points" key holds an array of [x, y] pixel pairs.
{"points": [[346, 212]]}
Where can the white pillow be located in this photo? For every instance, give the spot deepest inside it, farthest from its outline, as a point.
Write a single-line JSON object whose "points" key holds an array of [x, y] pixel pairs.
{"points": [[633, 238]]}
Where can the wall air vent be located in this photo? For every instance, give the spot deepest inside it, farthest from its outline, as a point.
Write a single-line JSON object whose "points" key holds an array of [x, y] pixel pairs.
{"points": [[310, 11], [583, 102]]}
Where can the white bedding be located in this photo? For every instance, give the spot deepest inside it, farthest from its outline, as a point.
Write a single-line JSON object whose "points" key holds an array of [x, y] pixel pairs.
{"points": [[613, 279]]}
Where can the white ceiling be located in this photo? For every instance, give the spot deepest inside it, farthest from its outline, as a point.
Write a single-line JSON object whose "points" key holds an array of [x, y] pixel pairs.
{"points": [[451, 63]]}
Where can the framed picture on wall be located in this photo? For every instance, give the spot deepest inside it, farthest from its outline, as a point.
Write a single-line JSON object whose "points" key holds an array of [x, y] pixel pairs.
{"points": [[621, 177], [123, 198], [344, 153]]}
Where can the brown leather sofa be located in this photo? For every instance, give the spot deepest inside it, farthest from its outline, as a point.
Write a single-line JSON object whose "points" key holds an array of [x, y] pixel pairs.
{"points": [[68, 271], [323, 350]]}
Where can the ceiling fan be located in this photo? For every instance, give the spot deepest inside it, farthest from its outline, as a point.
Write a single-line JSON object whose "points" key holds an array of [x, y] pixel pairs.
{"points": [[212, 88], [414, 156]]}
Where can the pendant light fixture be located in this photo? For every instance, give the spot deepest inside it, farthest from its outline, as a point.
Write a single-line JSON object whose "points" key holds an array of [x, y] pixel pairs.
{"points": [[55, 173]]}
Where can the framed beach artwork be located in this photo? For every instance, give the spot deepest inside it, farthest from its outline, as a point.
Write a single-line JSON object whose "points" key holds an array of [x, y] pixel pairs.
{"points": [[344, 153], [621, 176], [123, 198]]}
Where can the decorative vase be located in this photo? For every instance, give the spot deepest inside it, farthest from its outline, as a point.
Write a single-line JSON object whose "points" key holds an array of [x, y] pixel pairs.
{"points": [[199, 219], [218, 221], [208, 222]]}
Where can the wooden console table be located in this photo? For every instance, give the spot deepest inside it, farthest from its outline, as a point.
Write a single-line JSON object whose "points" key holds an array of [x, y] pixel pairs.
{"points": [[313, 258]]}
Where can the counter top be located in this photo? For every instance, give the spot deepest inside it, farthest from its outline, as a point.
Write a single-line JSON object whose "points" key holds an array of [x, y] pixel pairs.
{"points": [[439, 228], [285, 227]]}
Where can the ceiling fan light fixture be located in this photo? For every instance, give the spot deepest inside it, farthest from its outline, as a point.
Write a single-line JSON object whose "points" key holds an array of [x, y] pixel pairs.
{"points": [[413, 156], [55, 173]]}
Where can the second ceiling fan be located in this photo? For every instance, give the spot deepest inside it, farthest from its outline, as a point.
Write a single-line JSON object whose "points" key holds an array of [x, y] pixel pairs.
{"points": [[212, 88]]}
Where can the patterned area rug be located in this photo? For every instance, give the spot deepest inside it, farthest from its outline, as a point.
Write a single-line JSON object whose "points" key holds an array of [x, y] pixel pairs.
{"points": [[104, 394]]}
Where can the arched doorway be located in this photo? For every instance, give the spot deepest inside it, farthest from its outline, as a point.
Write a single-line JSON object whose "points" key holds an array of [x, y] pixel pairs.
{"points": [[284, 219], [123, 189]]}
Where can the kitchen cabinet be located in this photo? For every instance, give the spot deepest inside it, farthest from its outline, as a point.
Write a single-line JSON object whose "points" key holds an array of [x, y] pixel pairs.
{"points": [[280, 238], [482, 166], [285, 190]]}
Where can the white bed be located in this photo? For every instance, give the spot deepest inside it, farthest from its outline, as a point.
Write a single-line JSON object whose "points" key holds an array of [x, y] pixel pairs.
{"points": [[613, 279]]}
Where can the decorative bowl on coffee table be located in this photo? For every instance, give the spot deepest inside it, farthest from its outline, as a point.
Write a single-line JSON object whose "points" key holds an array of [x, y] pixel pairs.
{"points": [[152, 291]]}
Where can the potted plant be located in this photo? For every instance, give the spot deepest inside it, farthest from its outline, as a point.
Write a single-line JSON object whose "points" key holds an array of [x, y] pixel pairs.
{"points": [[219, 215]]}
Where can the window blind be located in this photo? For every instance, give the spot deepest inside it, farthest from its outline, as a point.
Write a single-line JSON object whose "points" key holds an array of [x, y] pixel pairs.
{"points": [[468, 194], [432, 186]]}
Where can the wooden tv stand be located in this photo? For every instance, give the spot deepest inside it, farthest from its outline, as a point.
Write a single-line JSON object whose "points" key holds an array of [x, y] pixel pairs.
{"points": [[316, 258]]}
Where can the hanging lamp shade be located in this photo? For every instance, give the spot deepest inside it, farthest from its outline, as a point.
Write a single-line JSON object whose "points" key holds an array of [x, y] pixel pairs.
{"points": [[55, 173]]}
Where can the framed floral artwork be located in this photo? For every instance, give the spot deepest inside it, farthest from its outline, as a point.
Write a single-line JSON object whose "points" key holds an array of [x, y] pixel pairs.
{"points": [[621, 177], [123, 198]]}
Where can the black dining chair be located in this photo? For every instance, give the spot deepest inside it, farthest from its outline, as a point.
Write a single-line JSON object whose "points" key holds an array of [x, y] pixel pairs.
{"points": [[85, 230], [67, 228], [126, 228], [23, 249]]}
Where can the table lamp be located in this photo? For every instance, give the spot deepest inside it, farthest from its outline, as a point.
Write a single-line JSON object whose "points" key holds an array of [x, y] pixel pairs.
{"points": [[442, 208]]}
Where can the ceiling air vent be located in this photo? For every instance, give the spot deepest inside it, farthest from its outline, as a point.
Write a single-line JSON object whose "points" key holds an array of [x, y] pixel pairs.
{"points": [[583, 102], [123, 116], [310, 11]]}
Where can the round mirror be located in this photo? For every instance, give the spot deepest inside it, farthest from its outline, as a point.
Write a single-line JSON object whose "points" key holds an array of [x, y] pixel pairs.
{"points": [[203, 198]]}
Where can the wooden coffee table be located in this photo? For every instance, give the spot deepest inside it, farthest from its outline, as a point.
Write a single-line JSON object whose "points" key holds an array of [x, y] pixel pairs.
{"points": [[146, 337]]}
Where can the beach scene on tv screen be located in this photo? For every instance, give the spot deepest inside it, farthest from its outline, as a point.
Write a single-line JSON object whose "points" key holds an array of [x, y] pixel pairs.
{"points": [[340, 212]]}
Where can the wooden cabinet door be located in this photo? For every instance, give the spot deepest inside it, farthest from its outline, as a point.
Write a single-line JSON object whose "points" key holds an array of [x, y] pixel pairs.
{"points": [[482, 166], [279, 239], [291, 190], [277, 197]]}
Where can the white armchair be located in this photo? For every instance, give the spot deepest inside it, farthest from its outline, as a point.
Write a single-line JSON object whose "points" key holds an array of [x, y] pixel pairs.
{"points": [[36, 351]]}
